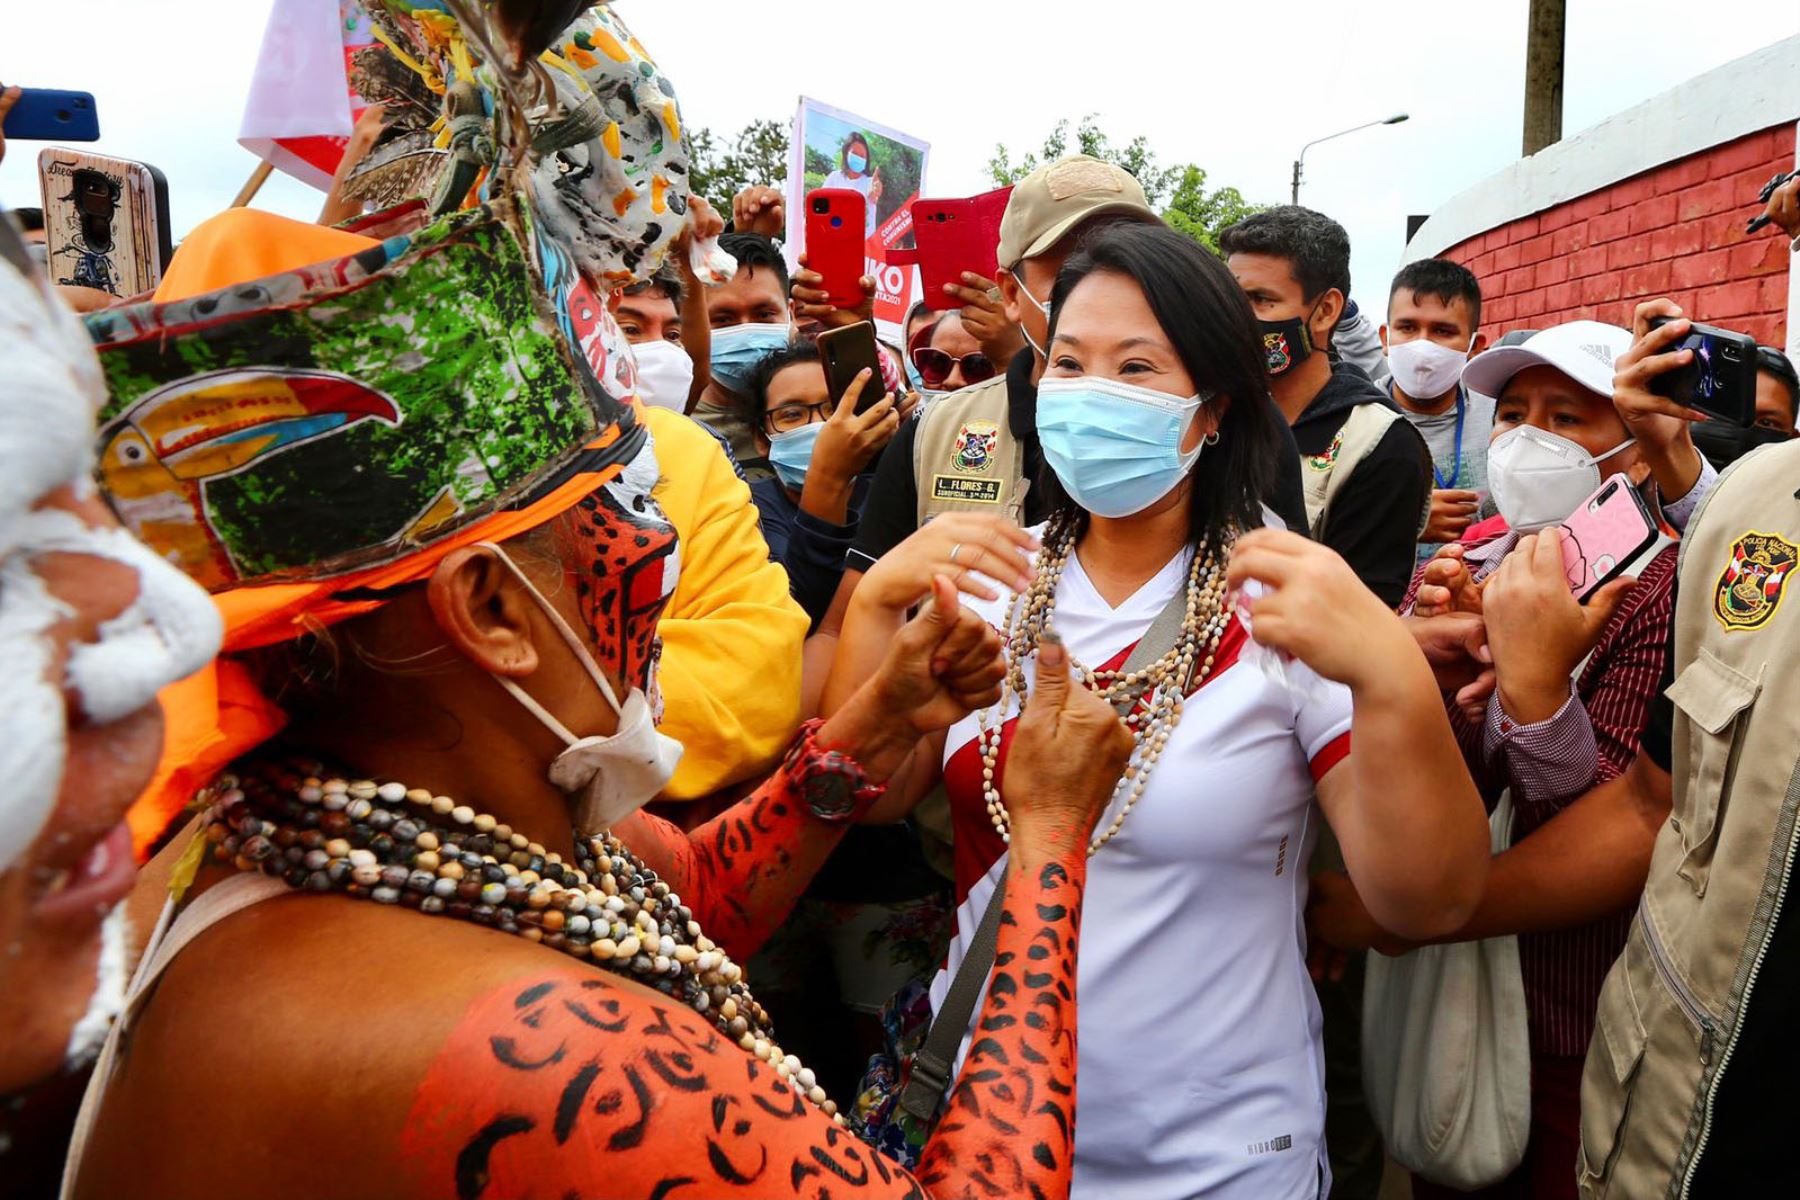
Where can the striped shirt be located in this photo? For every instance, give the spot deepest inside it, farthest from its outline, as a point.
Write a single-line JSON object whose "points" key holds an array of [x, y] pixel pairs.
{"points": [[1590, 740]]}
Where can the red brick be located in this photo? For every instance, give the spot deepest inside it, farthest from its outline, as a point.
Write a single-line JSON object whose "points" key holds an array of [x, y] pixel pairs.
{"points": [[1525, 227], [1502, 309], [1629, 192], [1551, 270], [1653, 213], [1683, 237], [1587, 262], [1725, 229], [1562, 295], [1683, 174], [1569, 240], [1775, 293], [1698, 270], [1734, 299], [1631, 252], [1506, 258], [1753, 150], [1713, 196], [1581, 312], [1766, 328], [1618, 313], [1599, 289], [1609, 226], [1783, 136], [1649, 280], [1482, 265], [1462, 252], [1553, 219], [1590, 205], [1761, 256], [1535, 250]]}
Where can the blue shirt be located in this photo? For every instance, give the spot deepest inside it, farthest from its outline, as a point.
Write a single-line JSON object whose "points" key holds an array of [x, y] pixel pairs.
{"points": [[812, 550]]}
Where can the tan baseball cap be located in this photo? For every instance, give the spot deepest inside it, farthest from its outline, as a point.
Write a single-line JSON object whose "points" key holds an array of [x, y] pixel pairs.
{"points": [[1052, 200]]}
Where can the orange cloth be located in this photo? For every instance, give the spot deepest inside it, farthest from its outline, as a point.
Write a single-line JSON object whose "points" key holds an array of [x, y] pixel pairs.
{"points": [[219, 713]]}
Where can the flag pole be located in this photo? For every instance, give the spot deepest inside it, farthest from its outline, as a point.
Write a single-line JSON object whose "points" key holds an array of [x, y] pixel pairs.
{"points": [[253, 184]]}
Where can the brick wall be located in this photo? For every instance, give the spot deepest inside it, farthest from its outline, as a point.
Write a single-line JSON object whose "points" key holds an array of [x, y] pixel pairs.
{"points": [[1677, 230]]}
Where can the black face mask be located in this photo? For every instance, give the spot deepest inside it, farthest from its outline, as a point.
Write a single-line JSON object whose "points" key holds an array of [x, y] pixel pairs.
{"points": [[1723, 443], [1288, 342]]}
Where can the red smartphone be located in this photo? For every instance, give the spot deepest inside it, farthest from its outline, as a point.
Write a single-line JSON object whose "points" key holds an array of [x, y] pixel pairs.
{"points": [[954, 236], [835, 222], [1604, 535]]}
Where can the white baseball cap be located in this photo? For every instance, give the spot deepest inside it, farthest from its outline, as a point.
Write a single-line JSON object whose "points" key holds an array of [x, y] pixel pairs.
{"points": [[1582, 350]]}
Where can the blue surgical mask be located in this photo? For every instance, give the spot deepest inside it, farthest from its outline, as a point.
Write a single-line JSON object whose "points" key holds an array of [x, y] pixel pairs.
{"points": [[858, 162], [914, 380], [737, 349], [1115, 447], [791, 453]]}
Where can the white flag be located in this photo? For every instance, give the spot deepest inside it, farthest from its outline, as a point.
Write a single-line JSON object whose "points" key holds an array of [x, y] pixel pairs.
{"points": [[301, 107]]}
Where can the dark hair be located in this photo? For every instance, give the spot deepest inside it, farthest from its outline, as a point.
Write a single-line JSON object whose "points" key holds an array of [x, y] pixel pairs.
{"points": [[1207, 319], [753, 250], [1769, 359], [1440, 279], [844, 150], [1316, 247], [30, 219], [756, 390], [665, 281]]}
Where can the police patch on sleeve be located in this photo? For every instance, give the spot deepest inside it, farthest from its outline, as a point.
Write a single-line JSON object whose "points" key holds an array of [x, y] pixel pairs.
{"points": [[1753, 582]]}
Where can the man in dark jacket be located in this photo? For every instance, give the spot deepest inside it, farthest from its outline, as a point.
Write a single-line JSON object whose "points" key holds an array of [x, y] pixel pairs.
{"points": [[1294, 265]]}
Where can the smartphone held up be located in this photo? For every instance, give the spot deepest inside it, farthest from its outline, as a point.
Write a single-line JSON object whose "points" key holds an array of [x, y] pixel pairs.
{"points": [[106, 221]]}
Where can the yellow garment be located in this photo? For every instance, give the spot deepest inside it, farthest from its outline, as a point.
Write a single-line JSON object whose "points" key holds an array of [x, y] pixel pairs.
{"points": [[732, 634]]}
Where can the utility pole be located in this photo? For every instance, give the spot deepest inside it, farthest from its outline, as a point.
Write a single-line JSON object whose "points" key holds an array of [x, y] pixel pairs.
{"points": [[1544, 74]]}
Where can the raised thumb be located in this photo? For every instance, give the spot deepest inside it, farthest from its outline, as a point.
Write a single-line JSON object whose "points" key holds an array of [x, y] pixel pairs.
{"points": [[1051, 689]]}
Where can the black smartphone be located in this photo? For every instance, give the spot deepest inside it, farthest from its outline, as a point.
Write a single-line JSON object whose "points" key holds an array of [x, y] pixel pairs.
{"points": [[1720, 379], [847, 350]]}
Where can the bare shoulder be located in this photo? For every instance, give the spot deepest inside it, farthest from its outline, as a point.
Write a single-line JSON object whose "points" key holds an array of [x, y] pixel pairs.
{"points": [[444, 1059]]}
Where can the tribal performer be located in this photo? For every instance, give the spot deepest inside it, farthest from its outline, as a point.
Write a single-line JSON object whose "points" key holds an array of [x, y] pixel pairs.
{"points": [[421, 928]]}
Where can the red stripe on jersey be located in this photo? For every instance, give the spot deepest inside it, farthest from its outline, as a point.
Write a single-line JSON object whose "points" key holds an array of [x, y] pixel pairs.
{"points": [[1335, 752], [977, 844]]}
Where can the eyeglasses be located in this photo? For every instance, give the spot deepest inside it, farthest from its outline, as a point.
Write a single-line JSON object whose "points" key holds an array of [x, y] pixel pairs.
{"points": [[786, 418], [935, 366]]}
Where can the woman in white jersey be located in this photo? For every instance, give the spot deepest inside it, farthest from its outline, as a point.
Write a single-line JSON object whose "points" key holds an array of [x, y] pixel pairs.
{"points": [[1200, 1068]]}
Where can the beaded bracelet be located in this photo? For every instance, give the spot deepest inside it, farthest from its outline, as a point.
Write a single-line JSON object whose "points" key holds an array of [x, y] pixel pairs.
{"points": [[831, 784]]}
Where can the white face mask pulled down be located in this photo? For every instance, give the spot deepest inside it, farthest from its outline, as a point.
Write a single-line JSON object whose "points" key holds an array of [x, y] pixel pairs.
{"points": [[1538, 479], [1425, 370], [606, 778]]}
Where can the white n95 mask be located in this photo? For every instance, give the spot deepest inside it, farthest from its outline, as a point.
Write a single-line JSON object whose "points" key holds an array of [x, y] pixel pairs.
{"points": [[606, 778], [1538, 479]]}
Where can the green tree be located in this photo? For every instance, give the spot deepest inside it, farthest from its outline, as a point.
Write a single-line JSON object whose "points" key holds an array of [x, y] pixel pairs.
{"points": [[1179, 192], [758, 154]]}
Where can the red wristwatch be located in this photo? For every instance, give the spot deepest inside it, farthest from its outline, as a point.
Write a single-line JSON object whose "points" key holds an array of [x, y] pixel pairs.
{"points": [[830, 783]]}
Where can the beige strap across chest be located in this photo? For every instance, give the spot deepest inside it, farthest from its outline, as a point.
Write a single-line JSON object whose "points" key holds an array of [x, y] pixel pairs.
{"points": [[172, 935], [1327, 473]]}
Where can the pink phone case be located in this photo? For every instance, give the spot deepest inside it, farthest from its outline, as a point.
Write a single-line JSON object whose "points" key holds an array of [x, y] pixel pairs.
{"points": [[1604, 534]]}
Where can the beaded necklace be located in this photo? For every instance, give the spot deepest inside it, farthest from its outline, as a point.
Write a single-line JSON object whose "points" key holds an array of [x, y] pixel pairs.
{"points": [[1151, 697], [407, 847]]}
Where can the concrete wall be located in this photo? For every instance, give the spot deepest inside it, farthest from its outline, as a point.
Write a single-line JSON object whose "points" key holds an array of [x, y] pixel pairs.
{"points": [[1650, 202]]}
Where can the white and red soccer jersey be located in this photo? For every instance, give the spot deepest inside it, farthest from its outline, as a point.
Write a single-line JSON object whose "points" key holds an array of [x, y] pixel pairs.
{"points": [[1200, 1063]]}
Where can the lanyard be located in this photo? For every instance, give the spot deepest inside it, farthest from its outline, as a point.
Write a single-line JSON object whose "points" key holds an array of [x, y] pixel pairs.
{"points": [[1462, 409]]}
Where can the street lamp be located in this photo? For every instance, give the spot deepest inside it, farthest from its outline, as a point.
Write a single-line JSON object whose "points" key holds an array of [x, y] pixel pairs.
{"points": [[1393, 120]]}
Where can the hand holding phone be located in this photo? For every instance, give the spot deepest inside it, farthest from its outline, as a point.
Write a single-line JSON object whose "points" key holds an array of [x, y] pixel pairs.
{"points": [[834, 243], [48, 115], [1605, 535], [1720, 377], [847, 352]]}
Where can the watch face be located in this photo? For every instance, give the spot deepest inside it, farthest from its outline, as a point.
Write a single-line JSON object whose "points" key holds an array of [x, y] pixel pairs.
{"points": [[830, 795]]}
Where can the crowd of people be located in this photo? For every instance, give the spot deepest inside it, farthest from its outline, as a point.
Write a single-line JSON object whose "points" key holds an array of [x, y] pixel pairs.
{"points": [[487, 711]]}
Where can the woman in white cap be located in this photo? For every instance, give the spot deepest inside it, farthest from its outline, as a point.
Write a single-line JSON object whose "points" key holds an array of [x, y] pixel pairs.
{"points": [[1562, 707]]}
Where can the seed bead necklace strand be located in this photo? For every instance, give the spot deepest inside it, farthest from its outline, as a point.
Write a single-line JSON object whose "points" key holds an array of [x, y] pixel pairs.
{"points": [[1166, 682], [406, 847]]}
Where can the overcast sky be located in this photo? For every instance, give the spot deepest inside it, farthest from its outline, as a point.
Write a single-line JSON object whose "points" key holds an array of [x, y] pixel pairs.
{"points": [[1237, 88]]}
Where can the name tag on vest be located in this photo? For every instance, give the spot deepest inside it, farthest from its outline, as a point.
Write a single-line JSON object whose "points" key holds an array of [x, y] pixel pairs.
{"points": [[964, 489]]}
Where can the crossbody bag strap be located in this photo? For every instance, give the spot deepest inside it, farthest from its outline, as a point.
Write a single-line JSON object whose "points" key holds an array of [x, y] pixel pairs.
{"points": [[924, 1091]]}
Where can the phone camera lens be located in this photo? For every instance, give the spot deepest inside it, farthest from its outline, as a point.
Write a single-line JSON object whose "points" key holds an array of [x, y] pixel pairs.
{"points": [[821, 206], [837, 222]]}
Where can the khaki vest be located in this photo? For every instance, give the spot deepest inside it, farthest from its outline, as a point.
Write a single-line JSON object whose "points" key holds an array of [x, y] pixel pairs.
{"points": [[1324, 475], [1673, 1003], [966, 459]]}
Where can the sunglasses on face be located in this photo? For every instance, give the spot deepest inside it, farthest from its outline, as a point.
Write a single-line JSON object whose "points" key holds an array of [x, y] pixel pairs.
{"points": [[935, 366]]}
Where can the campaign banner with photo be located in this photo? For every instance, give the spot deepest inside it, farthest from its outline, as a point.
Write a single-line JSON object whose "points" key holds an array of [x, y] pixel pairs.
{"points": [[837, 149], [301, 106]]}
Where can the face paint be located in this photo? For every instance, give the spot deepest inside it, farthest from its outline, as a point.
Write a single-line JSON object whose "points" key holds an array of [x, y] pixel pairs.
{"points": [[108, 1001], [622, 557]]}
